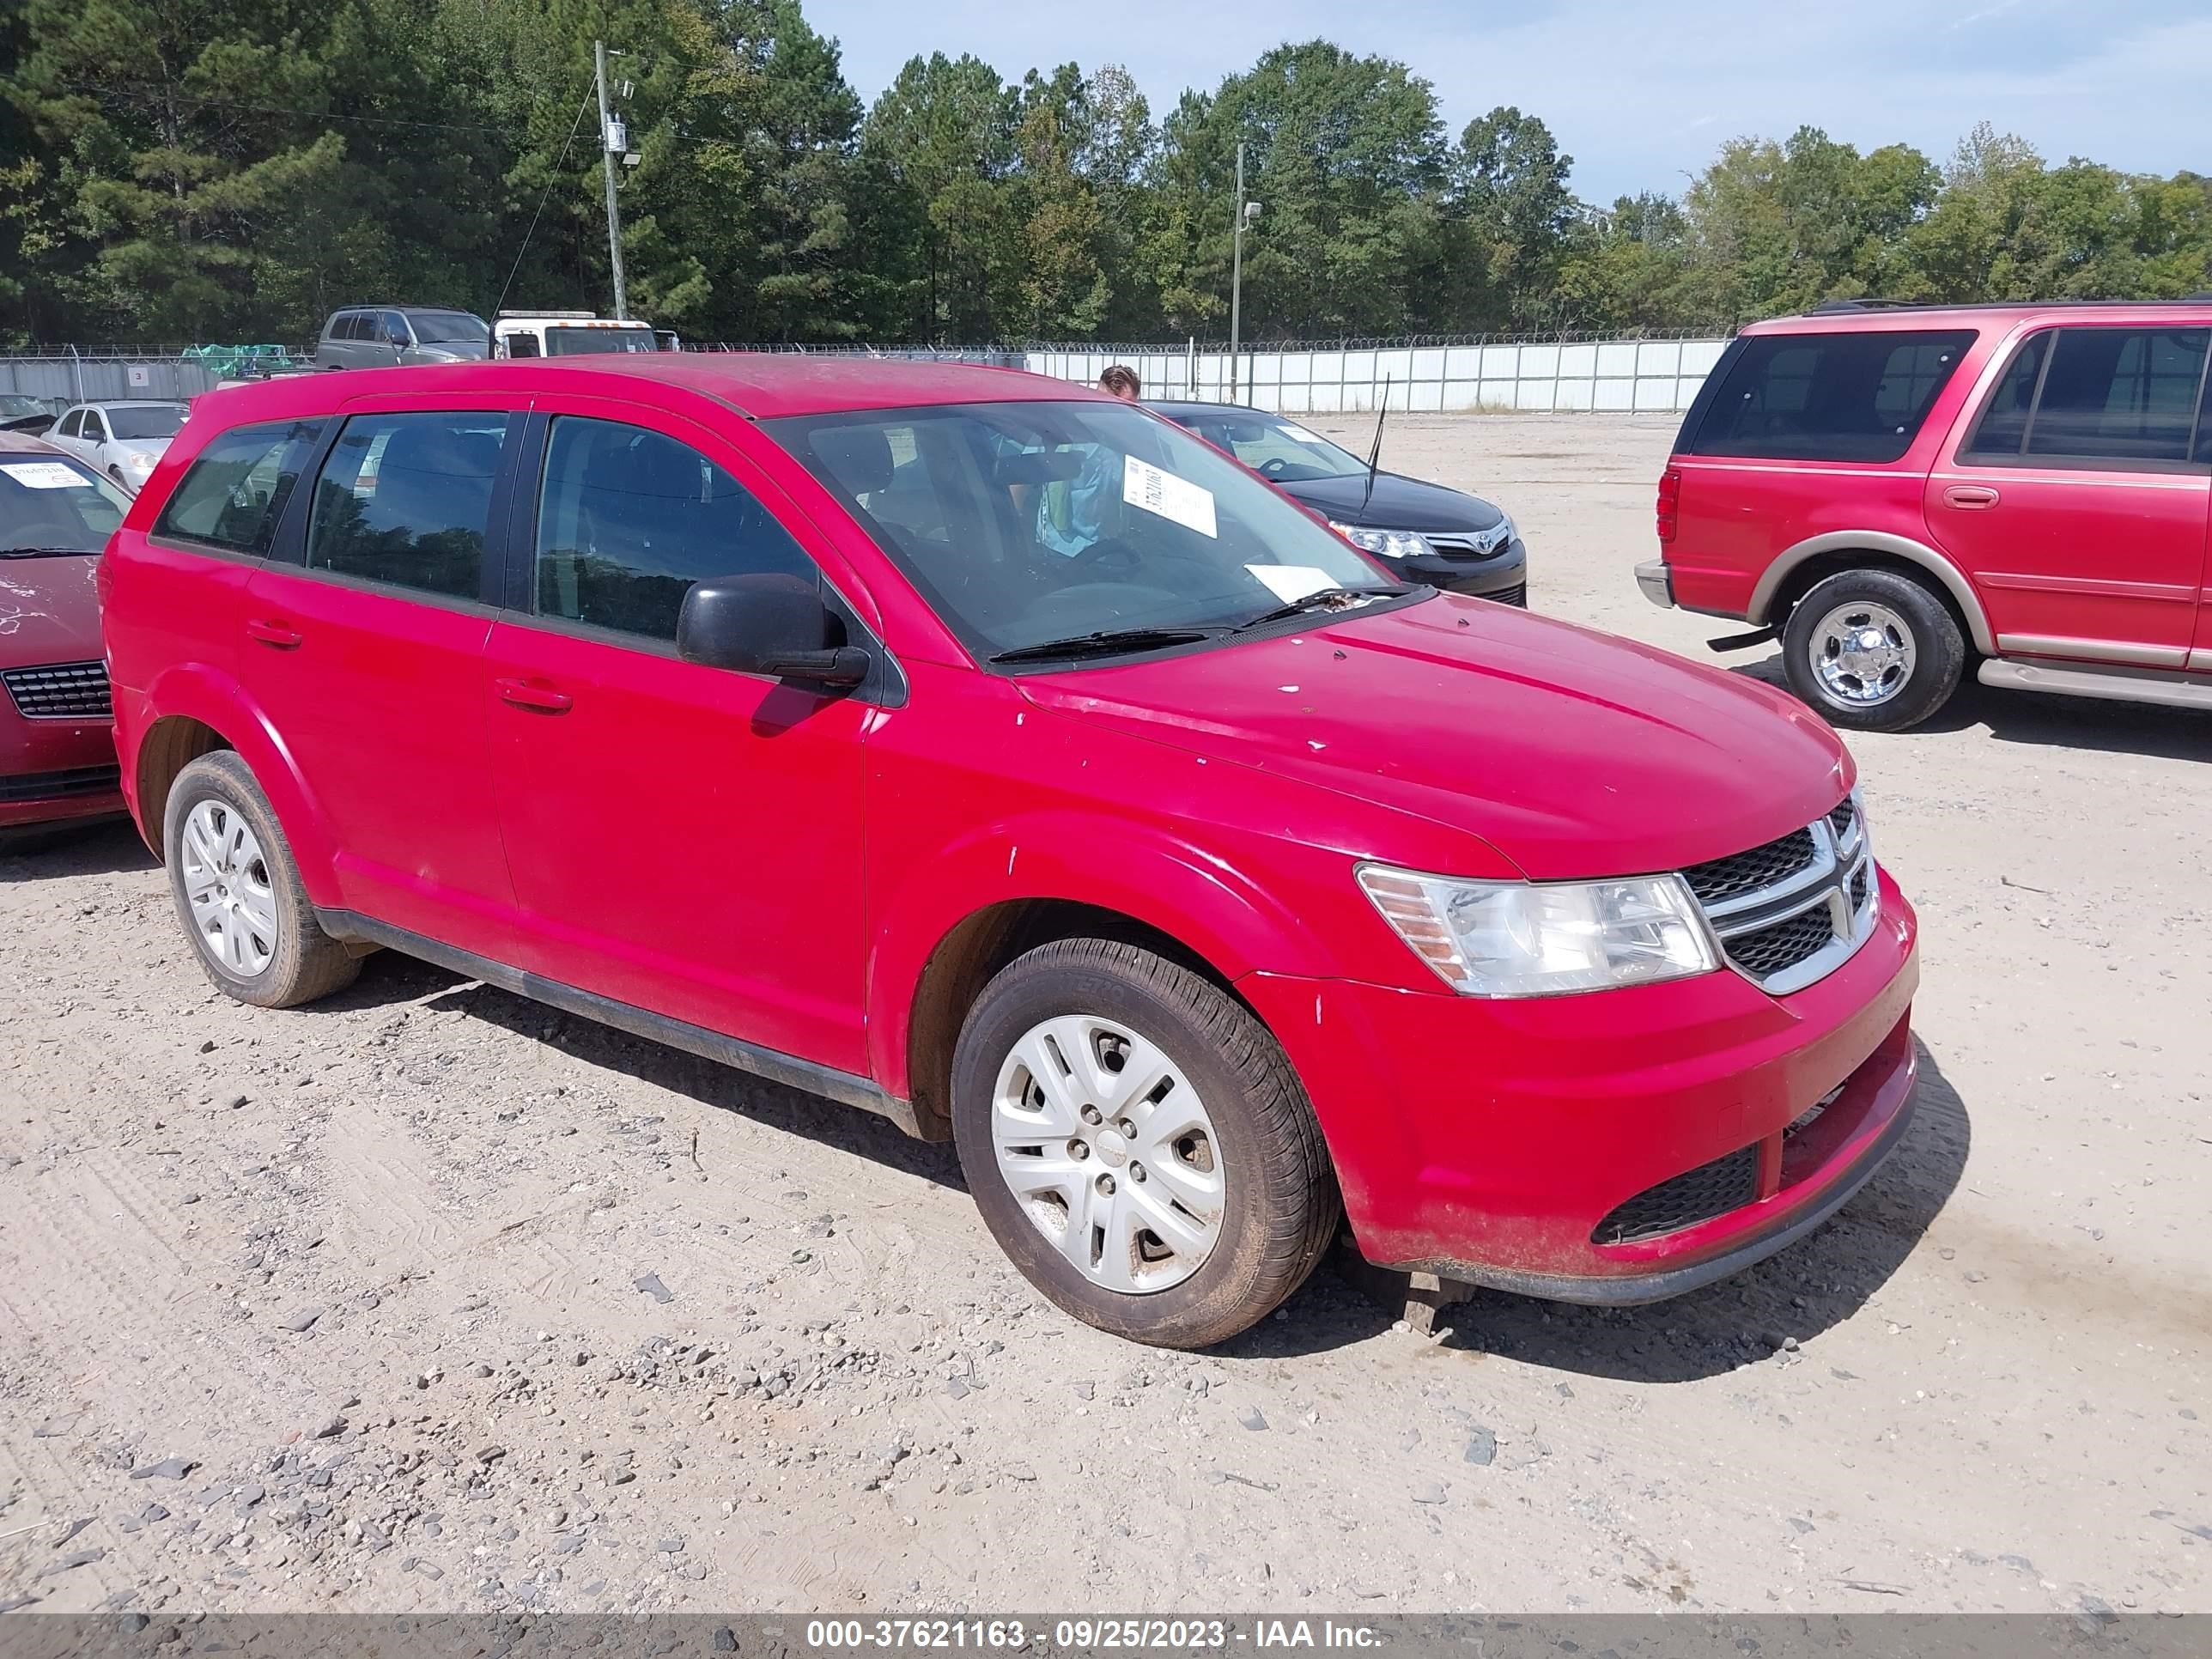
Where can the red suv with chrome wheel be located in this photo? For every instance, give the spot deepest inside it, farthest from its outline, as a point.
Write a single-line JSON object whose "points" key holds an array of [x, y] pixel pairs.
{"points": [[1899, 492], [1198, 878]]}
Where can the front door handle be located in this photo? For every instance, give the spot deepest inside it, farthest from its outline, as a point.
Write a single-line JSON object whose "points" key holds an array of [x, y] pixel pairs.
{"points": [[1971, 495], [273, 632], [529, 694]]}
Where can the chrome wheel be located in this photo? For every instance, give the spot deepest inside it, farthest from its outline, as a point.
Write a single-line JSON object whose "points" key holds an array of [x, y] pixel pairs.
{"points": [[1861, 654], [1109, 1150], [226, 882]]}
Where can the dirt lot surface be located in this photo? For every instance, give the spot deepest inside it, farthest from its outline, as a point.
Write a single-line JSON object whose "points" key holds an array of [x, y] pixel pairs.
{"points": [[430, 1299]]}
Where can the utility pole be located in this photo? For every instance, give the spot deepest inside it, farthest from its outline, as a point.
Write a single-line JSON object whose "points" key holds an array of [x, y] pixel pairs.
{"points": [[607, 148], [1236, 274]]}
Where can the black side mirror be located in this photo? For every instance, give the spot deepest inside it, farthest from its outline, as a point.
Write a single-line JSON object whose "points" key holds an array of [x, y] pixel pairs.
{"points": [[774, 625]]}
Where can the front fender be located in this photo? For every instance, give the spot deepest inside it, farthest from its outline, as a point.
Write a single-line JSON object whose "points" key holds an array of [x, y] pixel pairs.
{"points": [[1160, 879], [199, 692]]}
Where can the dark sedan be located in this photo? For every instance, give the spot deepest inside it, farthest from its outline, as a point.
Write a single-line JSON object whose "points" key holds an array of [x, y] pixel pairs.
{"points": [[1426, 532]]}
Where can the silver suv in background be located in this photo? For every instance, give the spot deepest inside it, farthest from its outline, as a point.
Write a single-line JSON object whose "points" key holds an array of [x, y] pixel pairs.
{"points": [[380, 336]]}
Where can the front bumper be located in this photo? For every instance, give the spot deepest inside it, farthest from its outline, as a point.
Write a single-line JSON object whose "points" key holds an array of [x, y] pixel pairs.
{"points": [[1489, 1140], [51, 771], [1503, 575], [1657, 582]]}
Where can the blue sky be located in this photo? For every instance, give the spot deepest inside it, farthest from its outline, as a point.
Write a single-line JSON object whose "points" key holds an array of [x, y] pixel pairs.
{"points": [[1640, 93]]}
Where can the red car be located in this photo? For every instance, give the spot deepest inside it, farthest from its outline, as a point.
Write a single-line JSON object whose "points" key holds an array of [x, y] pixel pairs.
{"points": [[56, 750], [1189, 870], [1898, 492]]}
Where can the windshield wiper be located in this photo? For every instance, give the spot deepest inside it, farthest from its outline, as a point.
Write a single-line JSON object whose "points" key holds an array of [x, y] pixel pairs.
{"points": [[1109, 642], [46, 552], [1329, 598]]}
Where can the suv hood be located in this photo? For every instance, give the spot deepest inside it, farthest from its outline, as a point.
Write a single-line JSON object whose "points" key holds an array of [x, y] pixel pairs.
{"points": [[1571, 752], [49, 610], [1399, 503]]}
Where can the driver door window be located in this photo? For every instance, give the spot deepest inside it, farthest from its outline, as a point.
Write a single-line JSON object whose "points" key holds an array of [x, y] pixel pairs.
{"points": [[630, 519]]}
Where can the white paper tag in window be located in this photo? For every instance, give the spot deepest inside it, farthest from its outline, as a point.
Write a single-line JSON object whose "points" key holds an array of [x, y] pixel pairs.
{"points": [[1291, 582], [1177, 500], [45, 475], [1292, 430]]}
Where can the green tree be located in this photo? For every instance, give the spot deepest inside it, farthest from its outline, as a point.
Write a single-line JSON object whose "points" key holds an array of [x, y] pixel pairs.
{"points": [[1346, 155]]}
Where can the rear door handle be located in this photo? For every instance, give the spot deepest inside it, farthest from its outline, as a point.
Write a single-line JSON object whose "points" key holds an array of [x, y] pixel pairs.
{"points": [[273, 632], [1971, 495], [528, 693]]}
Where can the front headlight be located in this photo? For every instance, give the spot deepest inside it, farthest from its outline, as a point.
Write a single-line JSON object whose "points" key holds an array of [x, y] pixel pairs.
{"points": [[1517, 939], [139, 461], [1389, 543]]}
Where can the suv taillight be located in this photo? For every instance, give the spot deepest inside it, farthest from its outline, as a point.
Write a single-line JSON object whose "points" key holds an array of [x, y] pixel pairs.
{"points": [[1670, 497]]}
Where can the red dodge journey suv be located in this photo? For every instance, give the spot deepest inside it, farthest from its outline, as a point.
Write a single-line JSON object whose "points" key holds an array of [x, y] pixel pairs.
{"points": [[1899, 492], [1201, 880]]}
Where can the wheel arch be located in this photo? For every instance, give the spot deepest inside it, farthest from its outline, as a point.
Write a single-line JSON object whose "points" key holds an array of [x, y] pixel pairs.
{"points": [[952, 926], [1795, 571], [201, 712]]}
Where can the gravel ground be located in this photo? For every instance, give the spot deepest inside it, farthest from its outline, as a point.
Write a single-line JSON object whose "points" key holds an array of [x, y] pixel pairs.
{"points": [[429, 1298]]}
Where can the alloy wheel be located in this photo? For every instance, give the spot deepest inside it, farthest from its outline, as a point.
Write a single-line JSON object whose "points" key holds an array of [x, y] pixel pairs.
{"points": [[1862, 653]]}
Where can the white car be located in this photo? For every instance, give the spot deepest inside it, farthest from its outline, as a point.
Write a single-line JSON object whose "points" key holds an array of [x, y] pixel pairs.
{"points": [[124, 441]]}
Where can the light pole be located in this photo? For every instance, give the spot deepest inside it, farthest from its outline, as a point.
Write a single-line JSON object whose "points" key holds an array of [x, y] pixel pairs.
{"points": [[611, 144], [1246, 212]]}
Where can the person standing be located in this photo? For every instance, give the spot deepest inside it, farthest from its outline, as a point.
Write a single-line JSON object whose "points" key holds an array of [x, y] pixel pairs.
{"points": [[1072, 518]]}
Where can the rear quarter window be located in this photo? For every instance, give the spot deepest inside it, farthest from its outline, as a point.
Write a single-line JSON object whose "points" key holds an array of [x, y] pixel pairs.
{"points": [[1852, 396], [232, 495]]}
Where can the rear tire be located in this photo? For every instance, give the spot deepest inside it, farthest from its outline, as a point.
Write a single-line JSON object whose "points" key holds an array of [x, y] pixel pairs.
{"points": [[237, 890], [1873, 651], [1143, 1063]]}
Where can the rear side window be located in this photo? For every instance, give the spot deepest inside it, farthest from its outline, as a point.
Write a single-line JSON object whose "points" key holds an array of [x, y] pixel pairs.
{"points": [[1842, 397], [233, 493], [630, 519], [406, 500]]}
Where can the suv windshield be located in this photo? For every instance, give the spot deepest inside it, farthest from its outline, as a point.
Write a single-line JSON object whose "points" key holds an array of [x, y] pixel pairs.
{"points": [[52, 504], [16, 406], [572, 342], [1285, 451], [146, 421], [448, 327], [1028, 523]]}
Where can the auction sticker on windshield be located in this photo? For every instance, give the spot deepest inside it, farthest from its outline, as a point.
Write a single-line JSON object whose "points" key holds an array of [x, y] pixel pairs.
{"points": [[1291, 582], [52, 474], [1177, 500]]}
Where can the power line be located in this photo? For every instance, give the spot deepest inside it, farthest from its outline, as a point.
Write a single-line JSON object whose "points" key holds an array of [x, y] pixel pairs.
{"points": [[546, 196]]}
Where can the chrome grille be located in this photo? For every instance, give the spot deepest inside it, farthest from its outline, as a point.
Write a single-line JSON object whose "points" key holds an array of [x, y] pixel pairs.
{"points": [[1469, 544], [59, 692], [1794, 910], [1747, 873]]}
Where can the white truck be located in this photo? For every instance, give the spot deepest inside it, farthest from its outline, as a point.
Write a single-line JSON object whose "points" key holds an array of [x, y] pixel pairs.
{"points": [[571, 333]]}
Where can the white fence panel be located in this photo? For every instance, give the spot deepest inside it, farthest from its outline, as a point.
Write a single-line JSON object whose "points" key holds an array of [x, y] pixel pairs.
{"points": [[1645, 376]]}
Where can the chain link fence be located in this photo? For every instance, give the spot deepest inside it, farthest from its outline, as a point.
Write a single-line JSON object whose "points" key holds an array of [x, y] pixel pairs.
{"points": [[1570, 372]]}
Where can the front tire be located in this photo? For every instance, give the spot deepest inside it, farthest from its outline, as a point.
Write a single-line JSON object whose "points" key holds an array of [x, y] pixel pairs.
{"points": [[237, 894], [1139, 1145], [1873, 651]]}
